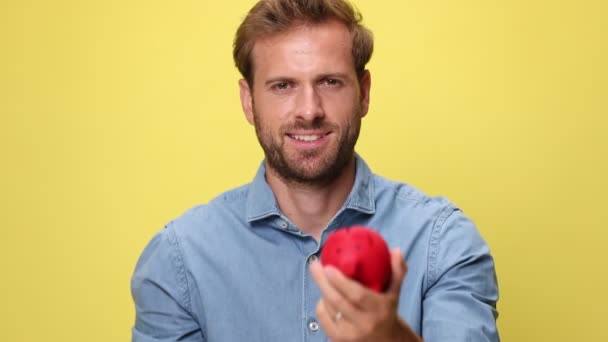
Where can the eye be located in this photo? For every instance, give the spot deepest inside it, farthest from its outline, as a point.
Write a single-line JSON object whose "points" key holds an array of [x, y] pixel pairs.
{"points": [[331, 82], [281, 86]]}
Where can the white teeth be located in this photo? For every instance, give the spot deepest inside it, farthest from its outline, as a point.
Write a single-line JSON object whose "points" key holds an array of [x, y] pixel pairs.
{"points": [[306, 137]]}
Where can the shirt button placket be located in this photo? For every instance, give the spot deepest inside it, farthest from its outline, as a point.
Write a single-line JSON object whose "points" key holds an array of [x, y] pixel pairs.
{"points": [[311, 296]]}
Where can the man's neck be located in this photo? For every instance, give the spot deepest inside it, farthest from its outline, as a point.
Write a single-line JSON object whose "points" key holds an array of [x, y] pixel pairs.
{"points": [[309, 207]]}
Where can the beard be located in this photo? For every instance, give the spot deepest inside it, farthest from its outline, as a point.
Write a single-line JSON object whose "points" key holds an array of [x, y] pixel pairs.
{"points": [[315, 167]]}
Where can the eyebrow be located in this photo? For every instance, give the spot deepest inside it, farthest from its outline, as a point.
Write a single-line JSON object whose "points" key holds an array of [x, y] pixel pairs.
{"points": [[334, 75]]}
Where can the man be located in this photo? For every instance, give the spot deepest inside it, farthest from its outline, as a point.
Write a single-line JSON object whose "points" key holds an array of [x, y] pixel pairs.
{"points": [[244, 267]]}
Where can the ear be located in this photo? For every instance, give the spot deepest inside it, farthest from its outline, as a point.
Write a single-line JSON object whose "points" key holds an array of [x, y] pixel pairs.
{"points": [[365, 84], [246, 100]]}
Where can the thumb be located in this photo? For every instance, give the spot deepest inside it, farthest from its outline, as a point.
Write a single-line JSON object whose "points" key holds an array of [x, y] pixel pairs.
{"points": [[399, 269]]}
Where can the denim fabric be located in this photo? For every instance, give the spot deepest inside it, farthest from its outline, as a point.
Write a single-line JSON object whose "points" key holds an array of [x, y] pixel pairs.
{"points": [[236, 269]]}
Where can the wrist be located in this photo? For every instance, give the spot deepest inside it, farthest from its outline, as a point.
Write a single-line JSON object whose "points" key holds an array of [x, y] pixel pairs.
{"points": [[404, 333]]}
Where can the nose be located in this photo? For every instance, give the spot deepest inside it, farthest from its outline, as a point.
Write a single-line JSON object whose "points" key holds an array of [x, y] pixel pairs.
{"points": [[309, 104]]}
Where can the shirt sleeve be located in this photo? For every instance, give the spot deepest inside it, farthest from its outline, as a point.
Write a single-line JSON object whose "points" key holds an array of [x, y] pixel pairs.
{"points": [[160, 292], [460, 302]]}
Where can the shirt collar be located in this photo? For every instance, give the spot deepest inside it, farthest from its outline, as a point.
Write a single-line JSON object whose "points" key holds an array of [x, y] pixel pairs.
{"points": [[261, 202]]}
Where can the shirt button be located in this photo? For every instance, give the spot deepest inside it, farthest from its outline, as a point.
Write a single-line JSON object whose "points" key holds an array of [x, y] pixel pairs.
{"points": [[313, 258], [283, 224], [314, 326]]}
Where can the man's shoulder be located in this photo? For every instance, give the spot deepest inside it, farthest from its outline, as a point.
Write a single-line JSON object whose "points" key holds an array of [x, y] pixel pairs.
{"points": [[404, 194], [223, 206]]}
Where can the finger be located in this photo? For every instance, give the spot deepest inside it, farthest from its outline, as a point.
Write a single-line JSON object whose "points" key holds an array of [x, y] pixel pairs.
{"points": [[318, 275], [325, 314], [354, 292], [326, 319], [399, 269], [334, 299], [328, 291], [335, 330]]}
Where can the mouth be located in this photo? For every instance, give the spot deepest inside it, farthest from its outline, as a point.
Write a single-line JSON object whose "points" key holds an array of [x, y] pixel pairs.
{"points": [[306, 137], [309, 140]]}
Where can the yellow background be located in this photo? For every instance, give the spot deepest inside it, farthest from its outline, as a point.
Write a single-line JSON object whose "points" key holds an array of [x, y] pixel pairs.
{"points": [[117, 116]]}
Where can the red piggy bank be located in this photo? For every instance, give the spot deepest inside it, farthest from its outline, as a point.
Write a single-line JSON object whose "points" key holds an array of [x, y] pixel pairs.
{"points": [[361, 254]]}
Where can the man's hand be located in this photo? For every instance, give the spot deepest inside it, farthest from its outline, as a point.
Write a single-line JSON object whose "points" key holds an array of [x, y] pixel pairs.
{"points": [[348, 311]]}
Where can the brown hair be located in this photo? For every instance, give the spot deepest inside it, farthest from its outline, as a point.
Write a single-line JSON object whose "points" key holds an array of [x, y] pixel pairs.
{"points": [[273, 16]]}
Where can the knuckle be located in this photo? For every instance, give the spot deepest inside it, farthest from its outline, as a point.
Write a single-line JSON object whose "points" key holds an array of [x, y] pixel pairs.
{"points": [[337, 301], [358, 296]]}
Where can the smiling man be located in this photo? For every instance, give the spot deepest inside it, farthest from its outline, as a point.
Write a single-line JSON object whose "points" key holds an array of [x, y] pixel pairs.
{"points": [[243, 267], [306, 102]]}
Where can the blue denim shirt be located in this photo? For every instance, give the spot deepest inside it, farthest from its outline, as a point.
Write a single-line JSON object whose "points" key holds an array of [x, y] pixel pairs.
{"points": [[236, 269]]}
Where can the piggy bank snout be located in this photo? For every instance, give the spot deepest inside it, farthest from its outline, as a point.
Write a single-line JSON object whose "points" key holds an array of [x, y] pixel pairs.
{"points": [[348, 264]]}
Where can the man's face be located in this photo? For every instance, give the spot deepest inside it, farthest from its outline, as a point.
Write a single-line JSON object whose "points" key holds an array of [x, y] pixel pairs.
{"points": [[306, 102]]}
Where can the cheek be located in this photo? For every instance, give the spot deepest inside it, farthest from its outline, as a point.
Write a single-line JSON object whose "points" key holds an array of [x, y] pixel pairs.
{"points": [[343, 105], [272, 107]]}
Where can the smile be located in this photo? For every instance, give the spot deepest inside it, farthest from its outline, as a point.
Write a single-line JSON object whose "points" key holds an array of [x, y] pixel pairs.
{"points": [[311, 137]]}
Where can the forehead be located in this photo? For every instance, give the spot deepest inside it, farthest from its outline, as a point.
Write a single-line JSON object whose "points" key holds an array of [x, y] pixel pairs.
{"points": [[324, 47]]}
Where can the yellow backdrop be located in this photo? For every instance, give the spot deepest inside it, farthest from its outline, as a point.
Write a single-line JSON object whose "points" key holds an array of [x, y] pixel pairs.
{"points": [[118, 115]]}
